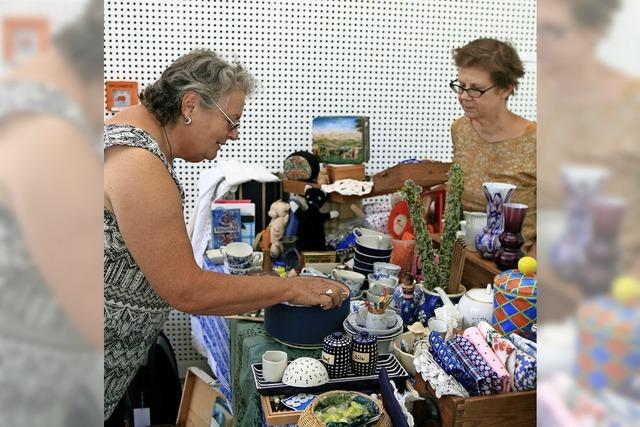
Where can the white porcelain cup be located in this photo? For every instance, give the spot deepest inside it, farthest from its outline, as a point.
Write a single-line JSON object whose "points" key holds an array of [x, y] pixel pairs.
{"points": [[438, 325], [274, 364]]}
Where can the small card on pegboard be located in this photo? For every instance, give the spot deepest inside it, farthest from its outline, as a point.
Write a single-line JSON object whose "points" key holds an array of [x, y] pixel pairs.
{"points": [[121, 94]]}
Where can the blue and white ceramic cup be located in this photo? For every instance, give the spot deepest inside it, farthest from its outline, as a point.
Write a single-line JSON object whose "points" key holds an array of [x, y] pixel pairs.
{"points": [[383, 270], [350, 278], [239, 255]]}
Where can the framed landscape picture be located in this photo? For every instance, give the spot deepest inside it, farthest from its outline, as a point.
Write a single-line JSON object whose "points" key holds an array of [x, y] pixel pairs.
{"points": [[341, 139]]}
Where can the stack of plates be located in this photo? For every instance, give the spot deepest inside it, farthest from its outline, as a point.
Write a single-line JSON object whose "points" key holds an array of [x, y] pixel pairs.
{"points": [[370, 249]]}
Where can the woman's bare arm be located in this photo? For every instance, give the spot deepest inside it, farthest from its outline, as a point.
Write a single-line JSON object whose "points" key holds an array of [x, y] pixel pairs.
{"points": [[146, 203]]}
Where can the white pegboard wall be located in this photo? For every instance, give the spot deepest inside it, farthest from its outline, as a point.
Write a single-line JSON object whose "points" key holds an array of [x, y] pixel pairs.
{"points": [[386, 59]]}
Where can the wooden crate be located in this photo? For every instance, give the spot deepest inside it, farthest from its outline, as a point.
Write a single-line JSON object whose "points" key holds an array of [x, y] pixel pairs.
{"points": [[425, 173], [198, 400], [338, 172], [277, 418], [506, 409]]}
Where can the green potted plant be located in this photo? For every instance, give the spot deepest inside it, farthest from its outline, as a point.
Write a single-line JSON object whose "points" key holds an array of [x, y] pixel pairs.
{"points": [[436, 265]]}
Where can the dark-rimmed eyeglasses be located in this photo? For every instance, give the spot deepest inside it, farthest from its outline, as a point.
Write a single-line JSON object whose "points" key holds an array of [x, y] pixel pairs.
{"points": [[232, 125], [472, 91]]}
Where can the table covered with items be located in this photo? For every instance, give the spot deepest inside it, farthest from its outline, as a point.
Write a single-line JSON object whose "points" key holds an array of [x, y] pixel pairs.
{"points": [[440, 309]]}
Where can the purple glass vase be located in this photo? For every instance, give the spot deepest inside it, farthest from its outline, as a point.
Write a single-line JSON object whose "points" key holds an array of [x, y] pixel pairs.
{"points": [[497, 194], [602, 252], [511, 239]]}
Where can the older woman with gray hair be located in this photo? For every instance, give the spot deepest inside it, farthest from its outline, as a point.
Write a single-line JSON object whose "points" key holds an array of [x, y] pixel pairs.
{"points": [[189, 113]]}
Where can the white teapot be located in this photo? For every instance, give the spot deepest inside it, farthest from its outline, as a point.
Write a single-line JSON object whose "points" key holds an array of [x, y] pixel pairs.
{"points": [[476, 305]]}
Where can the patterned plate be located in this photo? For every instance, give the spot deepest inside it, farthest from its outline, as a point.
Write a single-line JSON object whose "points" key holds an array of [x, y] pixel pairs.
{"points": [[387, 361]]}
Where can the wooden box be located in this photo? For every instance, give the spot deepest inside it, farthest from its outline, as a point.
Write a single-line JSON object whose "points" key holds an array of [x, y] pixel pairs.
{"points": [[277, 418], [425, 173], [338, 172], [198, 402], [506, 409]]}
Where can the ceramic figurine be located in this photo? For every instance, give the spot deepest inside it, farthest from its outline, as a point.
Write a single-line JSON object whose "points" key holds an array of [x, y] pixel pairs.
{"points": [[511, 239], [431, 300], [364, 355], [497, 194], [407, 298], [336, 354]]}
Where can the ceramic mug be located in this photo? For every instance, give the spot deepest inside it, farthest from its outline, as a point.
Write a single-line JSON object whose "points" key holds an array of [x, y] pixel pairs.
{"points": [[385, 269], [376, 286], [350, 278], [476, 221], [375, 242], [274, 364], [239, 255]]}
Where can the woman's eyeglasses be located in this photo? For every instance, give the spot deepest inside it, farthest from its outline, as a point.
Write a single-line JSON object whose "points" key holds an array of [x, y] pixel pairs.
{"points": [[472, 92], [232, 125]]}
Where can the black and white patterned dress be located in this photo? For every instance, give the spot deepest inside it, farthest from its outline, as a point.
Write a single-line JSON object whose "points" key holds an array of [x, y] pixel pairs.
{"points": [[133, 312], [46, 366]]}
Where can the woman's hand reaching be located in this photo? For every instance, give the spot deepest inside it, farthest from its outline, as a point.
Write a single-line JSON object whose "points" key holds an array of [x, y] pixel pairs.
{"points": [[316, 291]]}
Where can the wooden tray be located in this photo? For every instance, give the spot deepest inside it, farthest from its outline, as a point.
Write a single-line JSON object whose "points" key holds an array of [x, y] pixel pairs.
{"points": [[272, 418], [499, 410]]}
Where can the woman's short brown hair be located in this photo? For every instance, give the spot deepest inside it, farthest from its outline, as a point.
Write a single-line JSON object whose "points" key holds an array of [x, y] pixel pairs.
{"points": [[499, 59]]}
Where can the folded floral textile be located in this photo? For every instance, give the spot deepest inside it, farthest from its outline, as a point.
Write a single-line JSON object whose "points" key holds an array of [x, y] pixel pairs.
{"points": [[475, 337], [502, 347], [473, 361], [450, 363], [524, 344], [525, 374], [442, 383]]}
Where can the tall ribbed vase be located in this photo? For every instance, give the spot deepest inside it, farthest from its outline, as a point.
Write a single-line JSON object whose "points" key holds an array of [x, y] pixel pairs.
{"points": [[511, 239], [583, 185], [497, 194]]}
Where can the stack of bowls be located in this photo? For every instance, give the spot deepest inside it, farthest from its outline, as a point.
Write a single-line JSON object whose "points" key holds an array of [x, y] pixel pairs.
{"points": [[369, 250], [353, 324]]}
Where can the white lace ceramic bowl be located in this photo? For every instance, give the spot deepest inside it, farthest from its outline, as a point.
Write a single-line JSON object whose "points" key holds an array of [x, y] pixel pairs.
{"points": [[305, 372]]}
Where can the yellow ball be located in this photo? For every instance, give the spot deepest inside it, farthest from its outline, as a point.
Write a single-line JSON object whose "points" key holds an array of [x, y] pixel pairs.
{"points": [[626, 289], [527, 265]]}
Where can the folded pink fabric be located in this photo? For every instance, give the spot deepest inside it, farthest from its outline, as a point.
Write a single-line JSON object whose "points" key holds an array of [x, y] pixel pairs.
{"points": [[476, 338], [502, 347]]}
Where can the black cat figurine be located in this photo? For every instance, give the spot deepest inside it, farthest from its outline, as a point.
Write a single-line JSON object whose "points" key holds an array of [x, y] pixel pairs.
{"points": [[311, 235]]}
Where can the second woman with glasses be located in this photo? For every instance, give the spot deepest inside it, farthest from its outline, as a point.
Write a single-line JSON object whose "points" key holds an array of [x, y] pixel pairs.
{"points": [[490, 142]]}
